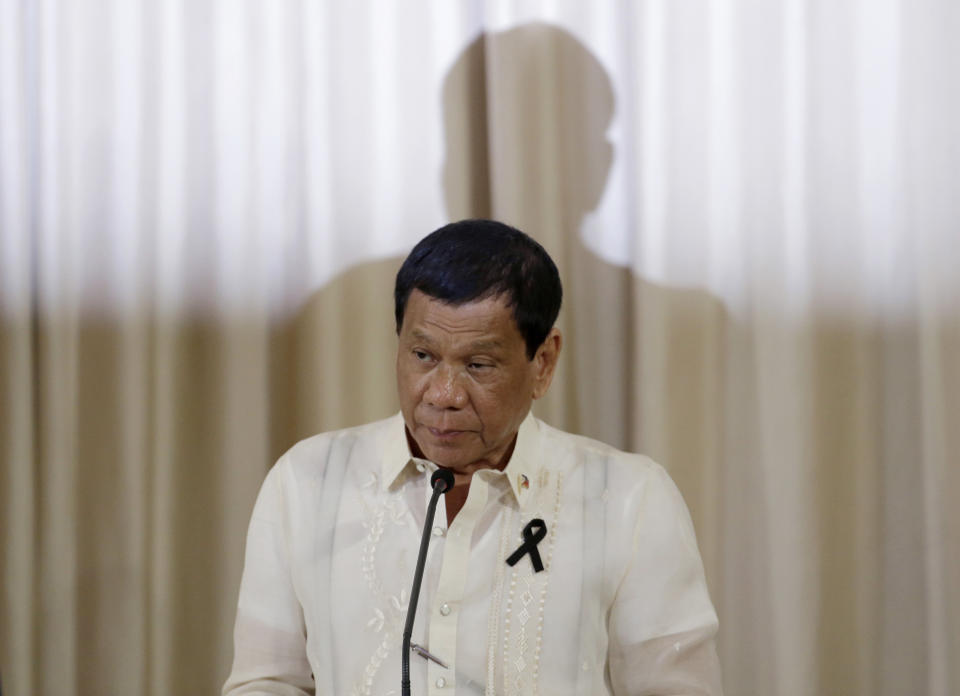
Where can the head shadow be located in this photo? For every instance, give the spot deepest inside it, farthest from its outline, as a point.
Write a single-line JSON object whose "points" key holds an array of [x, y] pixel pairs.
{"points": [[525, 116]]}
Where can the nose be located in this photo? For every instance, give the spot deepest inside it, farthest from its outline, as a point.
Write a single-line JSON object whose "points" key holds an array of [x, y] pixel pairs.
{"points": [[444, 389]]}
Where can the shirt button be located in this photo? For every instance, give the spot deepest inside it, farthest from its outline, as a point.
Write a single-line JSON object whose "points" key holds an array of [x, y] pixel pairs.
{"points": [[420, 467], [441, 682], [438, 531], [444, 609]]}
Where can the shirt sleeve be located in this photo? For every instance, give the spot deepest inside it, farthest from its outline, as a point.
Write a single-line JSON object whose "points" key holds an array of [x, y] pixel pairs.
{"points": [[662, 623], [270, 635]]}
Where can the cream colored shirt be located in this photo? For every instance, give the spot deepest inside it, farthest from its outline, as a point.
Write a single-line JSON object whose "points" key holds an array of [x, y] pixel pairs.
{"points": [[621, 606]]}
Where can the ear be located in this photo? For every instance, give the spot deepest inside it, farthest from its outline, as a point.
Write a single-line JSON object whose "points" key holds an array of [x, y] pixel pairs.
{"points": [[545, 362]]}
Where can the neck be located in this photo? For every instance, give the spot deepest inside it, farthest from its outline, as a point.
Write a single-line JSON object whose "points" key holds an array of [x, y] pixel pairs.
{"points": [[457, 496]]}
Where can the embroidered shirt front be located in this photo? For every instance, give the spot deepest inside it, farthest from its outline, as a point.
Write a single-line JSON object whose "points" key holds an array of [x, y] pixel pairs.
{"points": [[620, 607]]}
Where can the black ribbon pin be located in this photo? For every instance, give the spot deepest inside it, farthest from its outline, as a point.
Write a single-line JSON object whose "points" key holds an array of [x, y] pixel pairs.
{"points": [[533, 534]]}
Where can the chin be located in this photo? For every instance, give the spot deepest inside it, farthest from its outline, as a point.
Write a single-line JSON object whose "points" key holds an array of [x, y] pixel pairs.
{"points": [[447, 457]]}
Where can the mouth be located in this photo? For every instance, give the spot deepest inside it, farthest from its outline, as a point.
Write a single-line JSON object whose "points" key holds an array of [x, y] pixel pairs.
{"points": [[445, 434]]}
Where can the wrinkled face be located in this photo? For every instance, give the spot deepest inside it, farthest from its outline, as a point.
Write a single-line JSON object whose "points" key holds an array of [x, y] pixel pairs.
{"points": [[464, 380]]}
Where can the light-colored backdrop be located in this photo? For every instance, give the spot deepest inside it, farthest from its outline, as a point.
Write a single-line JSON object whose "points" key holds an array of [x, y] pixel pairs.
{"points": [[754, 206]]}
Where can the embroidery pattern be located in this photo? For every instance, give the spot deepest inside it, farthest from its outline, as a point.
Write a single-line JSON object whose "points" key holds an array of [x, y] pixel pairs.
{"points": [[390, 610], [493, 624], [522, 656]]}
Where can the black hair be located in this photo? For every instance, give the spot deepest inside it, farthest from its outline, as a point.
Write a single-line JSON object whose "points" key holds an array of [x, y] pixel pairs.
{"points": [[477, 259]]}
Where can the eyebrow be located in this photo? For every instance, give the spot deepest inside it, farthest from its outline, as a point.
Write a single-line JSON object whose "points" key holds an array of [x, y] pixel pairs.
{"points": [[418, 335], [478, 345], [486, 344]]}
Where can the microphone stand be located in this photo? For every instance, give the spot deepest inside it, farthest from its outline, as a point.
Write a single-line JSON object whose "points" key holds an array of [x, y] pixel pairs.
{"points": [[441, 481]]}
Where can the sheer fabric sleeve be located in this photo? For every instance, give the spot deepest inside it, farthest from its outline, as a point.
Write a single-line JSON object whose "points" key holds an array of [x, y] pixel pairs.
{"points": [[662, 624], [269, 636]]}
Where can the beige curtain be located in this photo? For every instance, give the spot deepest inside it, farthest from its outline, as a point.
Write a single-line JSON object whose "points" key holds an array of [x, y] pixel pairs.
{"points": [[753, 206]]}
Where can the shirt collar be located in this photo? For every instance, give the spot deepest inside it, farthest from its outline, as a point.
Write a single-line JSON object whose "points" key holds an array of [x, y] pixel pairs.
{"points": [[524, 465], [398, 465], [396, 457]]}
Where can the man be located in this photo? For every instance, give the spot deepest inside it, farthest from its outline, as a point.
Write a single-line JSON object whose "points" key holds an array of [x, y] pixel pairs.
{"points": [[559, 564]]}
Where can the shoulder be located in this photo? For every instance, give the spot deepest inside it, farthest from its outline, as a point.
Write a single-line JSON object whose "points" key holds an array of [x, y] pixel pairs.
{"points": [[318, 456], [317, 448], [313, 474], [581, 451], [636, 485]]}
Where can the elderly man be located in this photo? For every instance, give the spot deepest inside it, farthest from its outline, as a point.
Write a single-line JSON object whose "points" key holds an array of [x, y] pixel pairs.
{"points": [[559, 564]]}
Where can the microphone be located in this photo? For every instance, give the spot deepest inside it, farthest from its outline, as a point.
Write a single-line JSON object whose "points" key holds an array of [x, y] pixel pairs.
{"points": [[441, 481]]}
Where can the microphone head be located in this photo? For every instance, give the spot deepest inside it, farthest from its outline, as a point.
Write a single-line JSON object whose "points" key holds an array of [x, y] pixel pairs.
{"points": [[443, 478]]}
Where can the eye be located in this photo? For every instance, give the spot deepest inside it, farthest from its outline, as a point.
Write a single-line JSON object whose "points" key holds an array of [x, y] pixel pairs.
{"points": [[421, 355], [479, 366]]}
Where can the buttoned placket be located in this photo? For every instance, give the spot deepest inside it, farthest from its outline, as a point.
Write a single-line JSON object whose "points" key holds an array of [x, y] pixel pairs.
{"points": [[445, 608], [453, 544]]}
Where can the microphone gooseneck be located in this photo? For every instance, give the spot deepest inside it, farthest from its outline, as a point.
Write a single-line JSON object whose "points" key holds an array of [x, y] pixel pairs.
{"points": [[441, 481]]}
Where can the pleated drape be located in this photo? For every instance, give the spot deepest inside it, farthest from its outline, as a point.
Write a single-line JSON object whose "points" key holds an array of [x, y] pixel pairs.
{"points": [[754, 211]]}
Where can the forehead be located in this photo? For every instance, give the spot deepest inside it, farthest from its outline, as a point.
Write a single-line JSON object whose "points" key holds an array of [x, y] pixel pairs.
{"points": [[489, 321]]}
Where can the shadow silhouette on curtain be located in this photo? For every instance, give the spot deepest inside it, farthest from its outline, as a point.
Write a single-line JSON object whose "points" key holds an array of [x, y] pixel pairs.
{"points": [[525, 116]]}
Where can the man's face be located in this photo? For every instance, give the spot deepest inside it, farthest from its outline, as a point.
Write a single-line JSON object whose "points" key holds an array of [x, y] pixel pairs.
{"points": [[464, 380]]}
